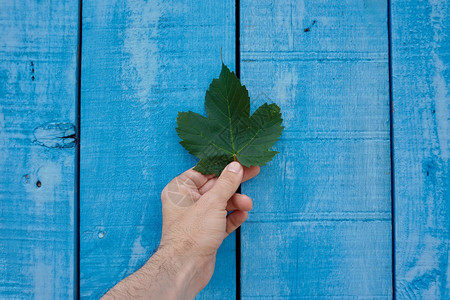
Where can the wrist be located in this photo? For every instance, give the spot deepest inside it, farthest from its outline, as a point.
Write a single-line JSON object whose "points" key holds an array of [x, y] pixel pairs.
{"points": [[182, 269]]}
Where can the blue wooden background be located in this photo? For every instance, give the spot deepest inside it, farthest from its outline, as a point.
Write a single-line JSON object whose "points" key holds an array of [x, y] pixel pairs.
{"points": [[356, 205]]}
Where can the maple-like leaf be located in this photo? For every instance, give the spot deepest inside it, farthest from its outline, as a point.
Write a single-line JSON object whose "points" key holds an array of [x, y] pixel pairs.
{"points": [[229, 133]]}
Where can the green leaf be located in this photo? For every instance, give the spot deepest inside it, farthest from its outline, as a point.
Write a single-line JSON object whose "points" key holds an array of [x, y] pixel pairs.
{"points": [[229, 132]]}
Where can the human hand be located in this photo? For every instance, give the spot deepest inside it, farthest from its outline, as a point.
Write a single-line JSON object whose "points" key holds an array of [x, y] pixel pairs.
{"points": [[199, 212], [195, 220]]}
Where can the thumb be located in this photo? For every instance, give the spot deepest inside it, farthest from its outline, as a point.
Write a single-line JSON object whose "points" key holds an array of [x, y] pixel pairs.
{"points": [[227, 184]]}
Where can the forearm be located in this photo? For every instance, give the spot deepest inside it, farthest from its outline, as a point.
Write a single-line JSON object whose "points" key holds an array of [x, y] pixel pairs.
{"points": [[168, 274]]}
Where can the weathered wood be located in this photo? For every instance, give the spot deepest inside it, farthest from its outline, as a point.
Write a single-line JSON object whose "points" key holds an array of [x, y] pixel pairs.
{"points": [[321, 226], [142, 62], [420, 90], [38, 84]]}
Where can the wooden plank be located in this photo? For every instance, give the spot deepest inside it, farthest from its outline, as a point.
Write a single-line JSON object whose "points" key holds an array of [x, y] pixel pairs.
{"points": [[38, 94], [321, 225], [420, 91], [142, 62]]}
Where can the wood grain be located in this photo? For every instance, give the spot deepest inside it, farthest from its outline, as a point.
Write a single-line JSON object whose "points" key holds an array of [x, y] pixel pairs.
{"points": [[421, 101], [38, 85], [321, 226], [142, 62]]}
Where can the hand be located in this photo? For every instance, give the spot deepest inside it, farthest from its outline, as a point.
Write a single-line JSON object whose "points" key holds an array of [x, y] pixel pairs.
{"points": [[199, 212], [195, 210]]}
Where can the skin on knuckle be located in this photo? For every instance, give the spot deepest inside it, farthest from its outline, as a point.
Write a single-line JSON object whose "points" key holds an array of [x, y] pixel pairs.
{"points": [[164, 193], [228, 182], [182, 177], [168, 187]]}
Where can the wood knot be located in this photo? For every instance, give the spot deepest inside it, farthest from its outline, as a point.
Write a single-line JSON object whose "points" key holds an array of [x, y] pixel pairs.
{"points": [[56, 135]]}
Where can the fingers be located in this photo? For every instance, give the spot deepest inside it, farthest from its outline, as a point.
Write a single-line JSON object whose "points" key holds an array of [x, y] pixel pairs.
{"points": [[240, 202], [226, 185], [207, 186], [194, 178], [249, 173], [235, 219], [183, 189]]}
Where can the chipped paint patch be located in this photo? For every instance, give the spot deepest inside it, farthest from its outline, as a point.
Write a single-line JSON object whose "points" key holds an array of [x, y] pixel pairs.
{"points": [[55, 135]]}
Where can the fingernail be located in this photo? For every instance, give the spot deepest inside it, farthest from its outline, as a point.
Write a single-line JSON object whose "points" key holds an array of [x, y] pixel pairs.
{"points": [[234, 167]]}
